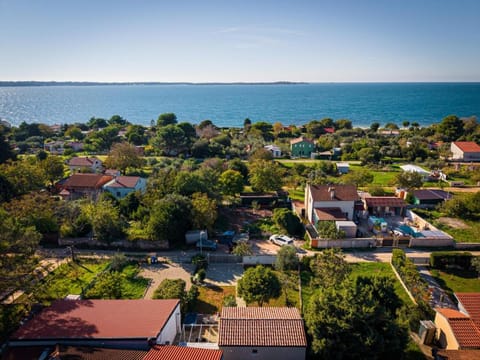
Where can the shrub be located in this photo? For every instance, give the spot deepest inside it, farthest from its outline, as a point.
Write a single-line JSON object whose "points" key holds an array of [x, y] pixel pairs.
{"points": [[200, 276], [444, 259], [229, 300], [200, 262]]}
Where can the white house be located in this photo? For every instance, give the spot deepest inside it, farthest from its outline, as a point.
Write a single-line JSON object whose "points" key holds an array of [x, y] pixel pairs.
{"points": [[274, 149], [414, 168], [121, 186], [343, 167], [465, 151], [338, 199], [91, 164]]}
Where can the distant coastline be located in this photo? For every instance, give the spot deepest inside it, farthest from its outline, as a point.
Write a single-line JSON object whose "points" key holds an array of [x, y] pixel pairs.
{"points": [[95, 83]]}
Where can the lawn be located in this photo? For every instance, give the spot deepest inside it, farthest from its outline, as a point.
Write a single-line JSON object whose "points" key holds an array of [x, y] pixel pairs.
{"points": [[455, 280], [133, 286], [210, 298], [69, 278]]}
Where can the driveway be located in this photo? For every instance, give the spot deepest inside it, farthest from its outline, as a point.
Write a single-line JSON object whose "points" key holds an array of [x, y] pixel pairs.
{"points": [[439, 297], [158, 272], [224, 274]]}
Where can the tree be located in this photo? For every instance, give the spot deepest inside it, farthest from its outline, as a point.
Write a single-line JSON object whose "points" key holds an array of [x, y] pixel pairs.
{"points": [[25, 175], [166, 119], [117, 120], [405, 124], [6, 152], [169, 219], [343, 124], [374, 126], [97, 123], [170, 140], [451, 128], [259, 284], [204, 211], [242, 249], [260, 154], [356, 321], [409, 180], [287, 259], [175, 289], [53, 167], [74, 132], [358, 177], [330, 268], [122, 156], [475, 262], [288, 221], [231, 182], [265, 176], [107, 224], [108, 285], [328, 230]]}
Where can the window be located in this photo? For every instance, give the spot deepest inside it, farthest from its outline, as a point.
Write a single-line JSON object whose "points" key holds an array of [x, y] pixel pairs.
{"points": [[118, 193], [254, 351]]}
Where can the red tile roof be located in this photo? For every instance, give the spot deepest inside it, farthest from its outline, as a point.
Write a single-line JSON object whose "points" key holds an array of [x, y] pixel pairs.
{"points": [[82, 161], [94, 181], [382, 201], [250, 326], [124, 182], [471, 303], [459, 354], [467, 146], [299, 140], [98, 319], [326, 214], [463, 328], [94, 353], [329, 130], [169, 352], [341, 192]]}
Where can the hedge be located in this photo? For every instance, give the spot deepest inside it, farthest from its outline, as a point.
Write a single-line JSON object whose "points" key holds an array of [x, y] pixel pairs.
{"points": [[448, 259]]}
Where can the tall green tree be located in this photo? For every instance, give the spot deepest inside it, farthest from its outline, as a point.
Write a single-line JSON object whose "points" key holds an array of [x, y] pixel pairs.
{"points": [[122, 156], [204, 211], [330, 268], [53, 168], [288, 221], [170, 140], [265, 176], [286, 259], [106, 221], [259, 284], [450, 128], [409, 180], [231, 182], [356, 321], [166, 119]]}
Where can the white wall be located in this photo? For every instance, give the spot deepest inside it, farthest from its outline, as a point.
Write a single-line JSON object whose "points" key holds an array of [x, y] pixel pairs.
{"points": [[345, 206], [171, 328]]}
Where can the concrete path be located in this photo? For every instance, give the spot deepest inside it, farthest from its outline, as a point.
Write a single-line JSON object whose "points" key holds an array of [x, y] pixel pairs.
{"points": [[439, 297], [224, 274]]}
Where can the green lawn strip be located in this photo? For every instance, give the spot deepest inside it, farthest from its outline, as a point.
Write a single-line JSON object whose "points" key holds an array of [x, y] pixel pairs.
{"points": [[382, 269], [133, 286], [210, 298], [296, 194], [69, 278], [456, 280]]}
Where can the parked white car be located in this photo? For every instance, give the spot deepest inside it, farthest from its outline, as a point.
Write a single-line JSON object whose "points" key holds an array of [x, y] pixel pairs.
{"points": [[281, 240]]}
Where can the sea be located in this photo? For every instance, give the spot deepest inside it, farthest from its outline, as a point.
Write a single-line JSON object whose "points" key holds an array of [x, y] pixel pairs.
{"points": [[229, 105]]}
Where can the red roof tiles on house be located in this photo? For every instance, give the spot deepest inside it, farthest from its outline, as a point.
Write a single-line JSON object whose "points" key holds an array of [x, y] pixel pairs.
{"points": [[463, 327], [299, 140], [252, 326], [169, 352], [98, 319], [467, 146], [471, 303], [124, 182], [82, 161], [93, 181], [94, 353], [459, 354], [339, 192]]}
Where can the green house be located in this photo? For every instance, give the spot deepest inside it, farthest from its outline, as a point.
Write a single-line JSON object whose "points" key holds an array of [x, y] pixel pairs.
{"points": [[301, 147]]}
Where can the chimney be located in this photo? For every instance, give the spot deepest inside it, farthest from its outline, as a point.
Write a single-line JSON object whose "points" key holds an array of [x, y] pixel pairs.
{"points": [[331, 190]]}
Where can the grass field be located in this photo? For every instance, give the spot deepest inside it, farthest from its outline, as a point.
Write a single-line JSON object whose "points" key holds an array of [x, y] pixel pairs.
{"points": [[210, 299], [133, 286], [454, 280]]}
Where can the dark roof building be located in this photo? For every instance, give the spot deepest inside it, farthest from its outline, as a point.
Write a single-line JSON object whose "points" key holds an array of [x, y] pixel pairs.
{"points": [[430, 196]]}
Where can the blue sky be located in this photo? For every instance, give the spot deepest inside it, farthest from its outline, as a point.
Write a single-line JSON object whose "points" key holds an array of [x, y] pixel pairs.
{"points": [[229, 40]]}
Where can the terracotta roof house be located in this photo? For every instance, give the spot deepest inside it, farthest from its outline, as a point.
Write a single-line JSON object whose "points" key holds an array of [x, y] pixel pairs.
{"points": [[321, 197], [91, 164], [458, 355], [301, 147], [131, 324], [465, 151], [84, 185], [121, 186], [262, 333], [430, 197], [168, 352], [385, 205], [457, 330], [469, 303]]}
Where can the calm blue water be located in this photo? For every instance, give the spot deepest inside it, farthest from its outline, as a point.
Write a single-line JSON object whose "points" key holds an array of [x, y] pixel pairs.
{"points": [[229, 105]]}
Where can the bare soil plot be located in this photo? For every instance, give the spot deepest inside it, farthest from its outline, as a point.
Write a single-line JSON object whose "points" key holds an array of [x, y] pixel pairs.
{"points": [[453, 223]]}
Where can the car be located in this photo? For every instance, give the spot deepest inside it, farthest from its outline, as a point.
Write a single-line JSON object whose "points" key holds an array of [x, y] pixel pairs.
{"points": [[205, 244], [281, 240]]}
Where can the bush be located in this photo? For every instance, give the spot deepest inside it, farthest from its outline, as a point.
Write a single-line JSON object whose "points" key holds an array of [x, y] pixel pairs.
{"points": [[200, 262], [200, 276], [444, 259], [230, 300]]}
